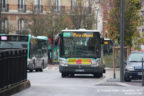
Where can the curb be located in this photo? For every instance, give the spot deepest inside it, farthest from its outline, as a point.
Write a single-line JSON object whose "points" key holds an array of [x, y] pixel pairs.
{"points": [[112, 68], [15, 89]]}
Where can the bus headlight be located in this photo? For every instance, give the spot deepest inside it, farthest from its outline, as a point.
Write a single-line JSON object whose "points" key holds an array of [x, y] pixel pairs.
{"points": [[95, 63], [63, 63]]}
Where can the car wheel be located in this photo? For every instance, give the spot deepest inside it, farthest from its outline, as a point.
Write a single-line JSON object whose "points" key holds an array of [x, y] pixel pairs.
{"points": [[126, 78]]}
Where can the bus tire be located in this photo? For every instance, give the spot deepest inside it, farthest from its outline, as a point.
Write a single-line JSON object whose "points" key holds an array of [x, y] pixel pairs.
{"points": [[41, 70], [36, 70], [72, 75], [98, 75], [31, 70], [63, 75]]}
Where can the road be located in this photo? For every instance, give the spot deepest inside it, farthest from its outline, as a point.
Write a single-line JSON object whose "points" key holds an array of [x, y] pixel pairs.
{"points": [[50, 83]]}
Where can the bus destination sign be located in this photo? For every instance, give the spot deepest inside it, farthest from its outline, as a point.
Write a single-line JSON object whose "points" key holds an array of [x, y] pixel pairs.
{"points": [[82, 35], [3, 38], [78, 35]]}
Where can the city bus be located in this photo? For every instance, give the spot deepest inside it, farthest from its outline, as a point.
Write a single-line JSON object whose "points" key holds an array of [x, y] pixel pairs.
{"points": [[80, 52], [37, 53], [13, 41], [107, 48], [37, 48]]}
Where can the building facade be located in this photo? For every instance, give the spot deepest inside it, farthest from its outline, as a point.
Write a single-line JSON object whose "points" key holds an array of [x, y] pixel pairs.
{"points": [[15, 12]]}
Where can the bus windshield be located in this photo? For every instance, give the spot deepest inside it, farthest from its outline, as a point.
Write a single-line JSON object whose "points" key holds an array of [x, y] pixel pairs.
{"points": [[13, 41], [38, 48], [83, 47], [12, 44]]}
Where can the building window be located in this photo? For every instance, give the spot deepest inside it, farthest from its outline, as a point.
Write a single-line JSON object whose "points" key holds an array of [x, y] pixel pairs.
{"points": [[87, 3], [21, 25], [4, 5], [88, 8], [73, 3], [57, 5], [38, 6], [21, 6], [4, 24]]}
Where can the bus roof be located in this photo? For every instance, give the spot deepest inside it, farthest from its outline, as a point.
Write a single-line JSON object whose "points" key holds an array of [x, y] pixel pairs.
{"points": [[80, 30], [107, 39], [12, 35], [31, 36], [42, 37]]}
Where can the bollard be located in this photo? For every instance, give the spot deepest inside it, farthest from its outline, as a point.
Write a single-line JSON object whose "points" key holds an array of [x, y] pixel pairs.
{"points": [[142, 73]]}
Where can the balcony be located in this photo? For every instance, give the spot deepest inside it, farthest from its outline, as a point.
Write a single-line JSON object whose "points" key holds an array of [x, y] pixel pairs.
{"points": [[38, 8], [6, 8], [21, 8]]}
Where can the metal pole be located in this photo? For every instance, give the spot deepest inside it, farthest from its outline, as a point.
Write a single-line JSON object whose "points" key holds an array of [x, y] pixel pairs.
{"points": [[122, 42], [142, 73], [114, 74]]}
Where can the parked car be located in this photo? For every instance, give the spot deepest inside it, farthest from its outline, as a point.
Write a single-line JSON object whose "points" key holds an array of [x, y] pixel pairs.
{"points": [[133, 68]]}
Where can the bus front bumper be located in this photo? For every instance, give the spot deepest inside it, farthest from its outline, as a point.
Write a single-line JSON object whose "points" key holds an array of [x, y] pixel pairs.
{"points": [[81, 69]]}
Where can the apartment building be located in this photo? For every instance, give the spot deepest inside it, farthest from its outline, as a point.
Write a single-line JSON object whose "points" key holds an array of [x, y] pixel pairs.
{"points": [[141, 28], [14, 13]]}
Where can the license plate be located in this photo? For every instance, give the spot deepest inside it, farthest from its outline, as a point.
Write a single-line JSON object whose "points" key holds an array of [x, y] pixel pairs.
{"points": [[139, 73], [79, 70]]}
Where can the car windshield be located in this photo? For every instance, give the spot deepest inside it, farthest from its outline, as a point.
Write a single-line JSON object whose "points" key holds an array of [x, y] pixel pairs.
{"points": [[135, 57], [81, 47]]}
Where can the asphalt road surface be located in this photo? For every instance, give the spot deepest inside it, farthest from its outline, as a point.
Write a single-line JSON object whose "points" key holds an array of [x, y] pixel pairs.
{"points": [[50, 83]]}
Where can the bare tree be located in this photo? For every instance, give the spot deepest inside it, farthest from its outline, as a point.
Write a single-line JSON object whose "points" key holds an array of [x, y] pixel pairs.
{"points": [[82, 16]]}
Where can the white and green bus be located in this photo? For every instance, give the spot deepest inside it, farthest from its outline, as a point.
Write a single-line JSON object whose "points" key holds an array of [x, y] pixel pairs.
{"points": [[37, 53], [80, 52], [37, 48]]}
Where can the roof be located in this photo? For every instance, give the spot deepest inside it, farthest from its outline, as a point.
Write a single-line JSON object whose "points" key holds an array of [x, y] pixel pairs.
{"points": [[42, 37], [12, 35]]}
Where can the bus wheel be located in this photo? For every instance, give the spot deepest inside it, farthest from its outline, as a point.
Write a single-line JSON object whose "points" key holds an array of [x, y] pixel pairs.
{"points": [[98, 75], [36, 70], [31, 70], [63, 75], [41, 70], [72, 75]]}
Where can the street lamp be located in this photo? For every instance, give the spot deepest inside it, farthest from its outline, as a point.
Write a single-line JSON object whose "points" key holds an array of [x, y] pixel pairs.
{"points": [[97, 13], [142, 11], [122, 41]]}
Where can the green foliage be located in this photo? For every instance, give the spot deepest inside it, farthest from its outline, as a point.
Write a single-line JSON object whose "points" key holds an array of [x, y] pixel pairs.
{"points": [[132, 20]]}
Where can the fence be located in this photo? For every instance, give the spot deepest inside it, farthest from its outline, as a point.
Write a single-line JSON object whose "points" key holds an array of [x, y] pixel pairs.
{"points": [[13, 67]]}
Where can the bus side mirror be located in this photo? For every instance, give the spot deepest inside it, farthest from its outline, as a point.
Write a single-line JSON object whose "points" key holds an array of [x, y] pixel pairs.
{"points": [[102, 40], [57, 39]]}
